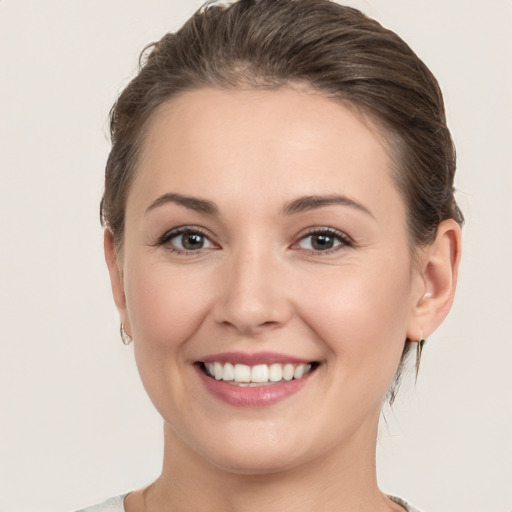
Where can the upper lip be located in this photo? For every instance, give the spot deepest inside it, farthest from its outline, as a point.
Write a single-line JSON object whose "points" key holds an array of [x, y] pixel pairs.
{"points": [[252, 359]]}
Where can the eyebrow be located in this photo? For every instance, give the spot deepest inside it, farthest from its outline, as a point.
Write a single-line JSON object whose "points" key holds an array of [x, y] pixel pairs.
{"points": [[302, 204], [307, 203], [192, 203]]}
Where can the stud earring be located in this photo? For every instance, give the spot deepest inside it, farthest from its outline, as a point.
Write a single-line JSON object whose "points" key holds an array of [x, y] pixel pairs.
{"points": [[125, 338], [419, 350]]}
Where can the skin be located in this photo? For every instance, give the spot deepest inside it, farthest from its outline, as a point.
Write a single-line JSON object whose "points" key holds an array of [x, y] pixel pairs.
{"points": [[257, 285]]}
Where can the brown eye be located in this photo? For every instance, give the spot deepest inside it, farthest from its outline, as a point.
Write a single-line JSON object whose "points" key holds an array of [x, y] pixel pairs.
{"points": [[322, 241], [192, 241], [188, 240]]}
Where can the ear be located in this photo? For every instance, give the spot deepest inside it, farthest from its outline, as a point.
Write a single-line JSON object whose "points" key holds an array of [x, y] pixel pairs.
{"points": [[116, 274], [437, 279]]}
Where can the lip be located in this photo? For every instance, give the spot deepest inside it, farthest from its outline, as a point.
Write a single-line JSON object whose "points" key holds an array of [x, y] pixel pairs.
{"points": [[258, 396], [253, 359]]}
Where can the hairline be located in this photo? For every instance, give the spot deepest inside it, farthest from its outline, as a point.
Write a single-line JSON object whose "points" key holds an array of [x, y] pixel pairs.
{"points": [[380, 128]]}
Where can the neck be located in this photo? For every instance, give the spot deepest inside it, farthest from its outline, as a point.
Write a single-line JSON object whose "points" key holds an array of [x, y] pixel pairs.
{"points": [[342, 480]]}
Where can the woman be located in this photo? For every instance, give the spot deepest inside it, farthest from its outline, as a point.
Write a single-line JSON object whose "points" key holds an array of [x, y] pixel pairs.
{"points": [[280, 231]]}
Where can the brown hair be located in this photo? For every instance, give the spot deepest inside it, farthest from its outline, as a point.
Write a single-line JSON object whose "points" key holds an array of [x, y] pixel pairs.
{"points": [[270, 43], [334, 49]]}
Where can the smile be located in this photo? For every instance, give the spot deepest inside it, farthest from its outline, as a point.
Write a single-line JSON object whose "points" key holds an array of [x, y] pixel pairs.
{"points": [[244, 375], [259, 379]]}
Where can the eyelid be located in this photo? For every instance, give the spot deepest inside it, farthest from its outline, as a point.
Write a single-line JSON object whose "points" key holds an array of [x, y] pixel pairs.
{"points": [[345, 240], [180, 230]]}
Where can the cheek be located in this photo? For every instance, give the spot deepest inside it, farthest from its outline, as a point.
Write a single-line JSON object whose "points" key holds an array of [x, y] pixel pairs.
{"points": [[165, 306], [360, 312]]}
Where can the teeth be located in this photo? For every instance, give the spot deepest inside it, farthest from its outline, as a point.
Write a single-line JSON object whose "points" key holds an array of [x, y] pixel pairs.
{"points": [[242, 373], [251, 376], [275, 372], [259, 373], [218, 371], [288, 371], [228, 372], [301, 370]]}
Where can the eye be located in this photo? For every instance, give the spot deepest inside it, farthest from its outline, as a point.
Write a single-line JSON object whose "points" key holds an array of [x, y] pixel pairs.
{"points": [[183, 240], [323, 241]]}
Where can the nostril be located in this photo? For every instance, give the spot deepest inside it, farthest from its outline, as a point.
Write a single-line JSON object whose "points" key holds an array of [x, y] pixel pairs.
{"points": [[249, 329], [269, 323]]}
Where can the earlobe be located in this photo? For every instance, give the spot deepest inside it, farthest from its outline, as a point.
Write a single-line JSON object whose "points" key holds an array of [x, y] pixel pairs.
{"points": [[116, 277], [438, 273]]}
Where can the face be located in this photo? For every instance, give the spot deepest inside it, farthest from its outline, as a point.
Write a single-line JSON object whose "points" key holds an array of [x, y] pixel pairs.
{"points": [[265, 276]]}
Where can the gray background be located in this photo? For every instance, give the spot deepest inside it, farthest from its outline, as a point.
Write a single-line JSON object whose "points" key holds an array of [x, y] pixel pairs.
{"points": [[75, 424]]}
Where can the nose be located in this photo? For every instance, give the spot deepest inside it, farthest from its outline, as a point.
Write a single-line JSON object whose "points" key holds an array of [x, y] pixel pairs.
{"points": [[253, 295]]}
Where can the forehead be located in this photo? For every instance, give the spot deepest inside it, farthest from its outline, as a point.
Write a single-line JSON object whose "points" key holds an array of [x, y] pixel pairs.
{"points": [[273, 142]]}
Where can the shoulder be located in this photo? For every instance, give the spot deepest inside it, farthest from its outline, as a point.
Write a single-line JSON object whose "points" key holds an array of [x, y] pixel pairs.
{"points": [[407, 507], [115, 504]]}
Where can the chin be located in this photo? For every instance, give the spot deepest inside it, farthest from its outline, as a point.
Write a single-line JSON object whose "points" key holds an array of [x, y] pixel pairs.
{"points": [[249, 449], [254, 462]]}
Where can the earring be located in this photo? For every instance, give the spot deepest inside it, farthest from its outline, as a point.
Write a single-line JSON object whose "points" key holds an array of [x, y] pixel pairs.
{"points": [[125, 338], [419, 350]]}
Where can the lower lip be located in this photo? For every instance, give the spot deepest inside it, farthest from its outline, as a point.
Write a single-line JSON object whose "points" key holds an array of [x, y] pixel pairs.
{"points": [[257, 396]]}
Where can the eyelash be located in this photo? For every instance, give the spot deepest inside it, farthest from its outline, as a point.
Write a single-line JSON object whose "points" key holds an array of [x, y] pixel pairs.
{"points": [[182, 230], [343, 240]]}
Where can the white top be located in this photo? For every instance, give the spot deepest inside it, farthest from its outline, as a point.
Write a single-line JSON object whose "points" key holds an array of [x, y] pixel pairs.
{"points": [[116, 505], [111, 505]]}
